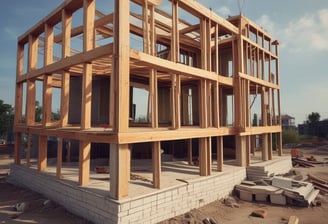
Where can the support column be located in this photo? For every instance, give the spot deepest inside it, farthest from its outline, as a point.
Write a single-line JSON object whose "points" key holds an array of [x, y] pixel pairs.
{"points": [[28, 153], [18, 145], [219, 153], [42, 157], [30, 103], [265, 152], [189, 143], [270, 146], [84, 163], [156, 159], [241, 151], [119, 170], [59, 157], [204, 157], [47, 98]]}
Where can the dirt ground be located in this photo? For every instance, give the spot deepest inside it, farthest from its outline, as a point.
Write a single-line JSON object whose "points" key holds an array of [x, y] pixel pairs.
{"points": [[39, 210]]}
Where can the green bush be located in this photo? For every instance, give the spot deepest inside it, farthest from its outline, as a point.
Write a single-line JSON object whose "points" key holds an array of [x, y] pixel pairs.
{"points": [[289, 136]]}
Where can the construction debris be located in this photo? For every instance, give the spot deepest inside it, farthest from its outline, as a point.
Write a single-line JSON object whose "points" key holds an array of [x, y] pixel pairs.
{"points": [[293, 220], [281, 191], [319, 183], [261, 213]]}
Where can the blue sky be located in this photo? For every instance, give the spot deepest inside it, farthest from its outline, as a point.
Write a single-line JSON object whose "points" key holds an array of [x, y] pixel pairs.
{"points": [[301, 27]]}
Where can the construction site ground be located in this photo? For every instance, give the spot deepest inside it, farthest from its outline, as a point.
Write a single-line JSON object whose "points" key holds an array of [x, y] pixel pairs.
{"points": [[235, 211]]}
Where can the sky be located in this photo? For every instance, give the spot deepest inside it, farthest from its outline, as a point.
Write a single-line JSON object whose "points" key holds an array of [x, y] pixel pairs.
{"points": [[300, 26]]}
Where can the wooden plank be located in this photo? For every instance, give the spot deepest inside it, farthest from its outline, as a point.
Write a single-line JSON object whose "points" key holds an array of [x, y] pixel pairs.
{"points": [[204, 157], [241, 150], [119, 170], [59, 158], [270, 155], [89, 7], [18, 104], [48, 44], [153, 92], [203, 104], [209, 155], [265, 150], [32, 59], [153, 2], [156, 161], [42, 156], [201, 11], [190, 159], [84, 162], [170, 67], [219, 153]]}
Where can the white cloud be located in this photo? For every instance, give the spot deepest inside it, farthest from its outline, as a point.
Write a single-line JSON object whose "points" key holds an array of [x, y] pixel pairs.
{"points": [[10, 33], [267, 23], [224, 11], [307, 34]]}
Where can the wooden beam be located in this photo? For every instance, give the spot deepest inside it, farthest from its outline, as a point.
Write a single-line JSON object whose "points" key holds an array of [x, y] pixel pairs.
{"points": [[84, 162], [32, 59], [119, 170], [18, 104], [59, 158], [66, 63], [28, 149], [190, 159], [42, 156], [66, 32], [156, 159], [241, 150], [204, 157], [270, 146]]}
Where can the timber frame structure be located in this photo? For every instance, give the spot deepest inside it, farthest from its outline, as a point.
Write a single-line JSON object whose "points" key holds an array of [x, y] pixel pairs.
{"points": [[202, 75]]}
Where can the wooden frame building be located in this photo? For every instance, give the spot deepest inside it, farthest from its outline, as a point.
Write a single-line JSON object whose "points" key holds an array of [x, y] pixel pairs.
{"points": [[206, 79]]}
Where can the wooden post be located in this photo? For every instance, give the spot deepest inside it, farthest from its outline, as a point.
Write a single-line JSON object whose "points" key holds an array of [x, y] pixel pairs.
{"points": [[47, 98], [209, 155], [270, 146], [68, 156], [42, 157], [88, 44], [59, 157], [219, 153], [18, 146], [241, 151], [28, 146], [84, 162], [156, 164], [19, 86], [265, 150], [121, 70], [30, 103], [119, 170], [203, 157], [66, 48], [189, 143]]}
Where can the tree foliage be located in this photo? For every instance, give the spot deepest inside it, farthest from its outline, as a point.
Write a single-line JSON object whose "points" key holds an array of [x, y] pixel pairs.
{"points": [[313, 117], [6, 118]]}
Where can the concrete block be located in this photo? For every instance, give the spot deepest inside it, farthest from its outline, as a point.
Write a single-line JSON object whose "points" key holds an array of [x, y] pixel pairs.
{"points": [[261, 197], [278, 199], [245, 195]]}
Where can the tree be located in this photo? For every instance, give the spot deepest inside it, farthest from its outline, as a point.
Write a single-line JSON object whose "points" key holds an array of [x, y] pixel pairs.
{"points": [[312, 121], [313, 117], [6, 118]]}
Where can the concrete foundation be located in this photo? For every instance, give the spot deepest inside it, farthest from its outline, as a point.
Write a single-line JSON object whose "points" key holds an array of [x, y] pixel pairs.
{"points": [[154, 206]]}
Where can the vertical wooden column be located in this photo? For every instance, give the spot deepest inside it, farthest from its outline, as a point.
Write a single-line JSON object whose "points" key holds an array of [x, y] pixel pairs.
{"points": [[205, 151], [219, 153], [88, 44], [279, 136], [30, 103], [84, 162], [47, 98], [189, 143], [18, 146], [270, 146], [121, 71], [19, 86], [28, 153], [47, 79], [241, 150], [59, 157], [156, 159], [265, 150], [42, 157], [203, 104], [66, 48], [119, 170]]}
